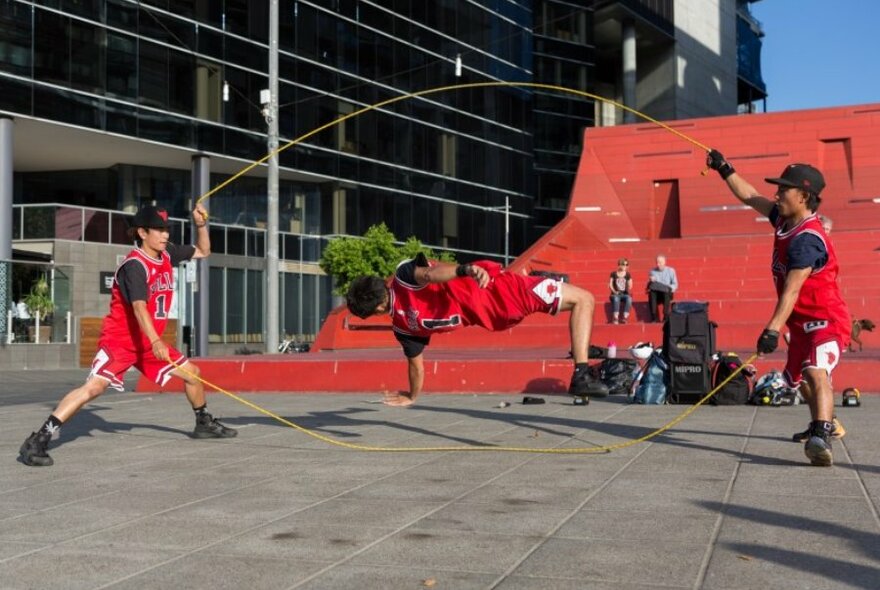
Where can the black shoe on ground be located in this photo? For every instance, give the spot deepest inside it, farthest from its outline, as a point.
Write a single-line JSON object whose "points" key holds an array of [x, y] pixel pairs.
{"points": [[586, 384], [818, 451], [33, 450], [209, 427], [837, 432]]}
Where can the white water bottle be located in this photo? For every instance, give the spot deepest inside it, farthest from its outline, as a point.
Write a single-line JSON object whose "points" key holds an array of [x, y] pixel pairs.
{"points": [[612, 350]]}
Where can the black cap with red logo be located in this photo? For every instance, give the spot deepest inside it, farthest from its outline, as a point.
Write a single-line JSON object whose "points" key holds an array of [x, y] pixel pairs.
{"points": [[802, 176], [151, 217]]}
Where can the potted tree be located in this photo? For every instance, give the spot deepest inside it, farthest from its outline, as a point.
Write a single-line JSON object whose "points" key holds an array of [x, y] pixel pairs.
{"points": [[39, 304]]}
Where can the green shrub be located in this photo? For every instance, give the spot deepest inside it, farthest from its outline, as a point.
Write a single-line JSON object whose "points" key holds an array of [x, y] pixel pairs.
{"points": [[376, 253]]}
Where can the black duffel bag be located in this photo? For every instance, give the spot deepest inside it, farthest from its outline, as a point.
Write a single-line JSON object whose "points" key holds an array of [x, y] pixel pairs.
{"points": [[618, 374]]}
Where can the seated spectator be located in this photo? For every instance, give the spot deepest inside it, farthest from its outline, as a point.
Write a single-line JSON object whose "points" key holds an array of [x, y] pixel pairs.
{"points": [[826, 223], [662, 283], [620, 285]]}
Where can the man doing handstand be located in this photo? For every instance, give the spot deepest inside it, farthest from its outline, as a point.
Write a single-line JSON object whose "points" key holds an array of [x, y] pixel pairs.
{"points": [[430, 297]]}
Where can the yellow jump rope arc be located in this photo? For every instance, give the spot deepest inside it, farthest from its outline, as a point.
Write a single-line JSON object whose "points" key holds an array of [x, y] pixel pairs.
{"points": [[471, 448], [437, 90]]}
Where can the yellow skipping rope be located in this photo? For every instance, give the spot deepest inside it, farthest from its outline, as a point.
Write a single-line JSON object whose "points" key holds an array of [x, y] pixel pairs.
{"points": [[356, 447], [438, 90], [471, 448]]}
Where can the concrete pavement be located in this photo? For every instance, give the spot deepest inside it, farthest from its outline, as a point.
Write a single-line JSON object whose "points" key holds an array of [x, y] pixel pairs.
{"points": [[722, 501]]}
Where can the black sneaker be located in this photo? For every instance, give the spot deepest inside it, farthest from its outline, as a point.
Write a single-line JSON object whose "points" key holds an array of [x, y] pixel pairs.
{"points": [[818, 450], [33, 450], [838, 432], [585, 384], [209, 427]]}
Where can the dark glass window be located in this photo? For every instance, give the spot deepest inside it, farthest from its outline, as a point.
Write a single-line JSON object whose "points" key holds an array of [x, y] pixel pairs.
{"points": [[254, 316], [97, 226], [15, 33], [121, 65], [121, 14], [155, 25], [218, 239], [216, 301], [51, 47], [256, 245], [153, 75], [235, 241], [306, 31], [87, 57], [181, 80], [16, 96], [235, 299]]}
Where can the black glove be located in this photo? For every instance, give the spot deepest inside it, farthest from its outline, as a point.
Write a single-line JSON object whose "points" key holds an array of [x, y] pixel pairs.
{"points": [[768, 341], [715, 160]]}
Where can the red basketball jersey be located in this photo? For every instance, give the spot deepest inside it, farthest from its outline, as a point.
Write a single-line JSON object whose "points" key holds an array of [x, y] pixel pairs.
{"points": [[819, 299], [423, 310], [120, 325]]}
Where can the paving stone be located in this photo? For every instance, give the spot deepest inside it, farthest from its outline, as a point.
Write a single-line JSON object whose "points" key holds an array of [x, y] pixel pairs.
{"points": [[133, 502]]}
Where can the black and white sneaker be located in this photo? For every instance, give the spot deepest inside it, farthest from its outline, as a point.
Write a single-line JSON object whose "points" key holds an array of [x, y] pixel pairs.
{"points": [[818, 450], [587, 385], [209, 427], [33, 450]]}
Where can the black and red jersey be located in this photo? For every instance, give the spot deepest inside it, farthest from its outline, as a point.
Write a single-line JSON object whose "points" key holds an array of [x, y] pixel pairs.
{"points": [[120, 326], [820, 299]]}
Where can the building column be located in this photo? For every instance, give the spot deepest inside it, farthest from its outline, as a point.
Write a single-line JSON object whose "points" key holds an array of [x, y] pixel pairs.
{"points": [[629, 69], [6, 131], [201, 178]]}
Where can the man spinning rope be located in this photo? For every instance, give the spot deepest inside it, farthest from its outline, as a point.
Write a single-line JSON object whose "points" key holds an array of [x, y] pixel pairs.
{"points": [[430, 297], [131, 335], [804, 268]]}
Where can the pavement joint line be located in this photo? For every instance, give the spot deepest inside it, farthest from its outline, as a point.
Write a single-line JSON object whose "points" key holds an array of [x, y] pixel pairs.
{"points": [[870, 501], [719, 520], [134, 520], [120, 491], [433, 511], [80, 475], [548, 535], [265, 524]]}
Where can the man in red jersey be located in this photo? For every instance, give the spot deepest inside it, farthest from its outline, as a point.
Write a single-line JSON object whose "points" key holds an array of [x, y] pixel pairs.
{"points": [[804, 268], [430, 297], [140, 301]]}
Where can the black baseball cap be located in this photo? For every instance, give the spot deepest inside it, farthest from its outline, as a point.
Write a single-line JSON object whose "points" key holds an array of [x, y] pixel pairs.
{"points": [[802, 176], [151, 217]]}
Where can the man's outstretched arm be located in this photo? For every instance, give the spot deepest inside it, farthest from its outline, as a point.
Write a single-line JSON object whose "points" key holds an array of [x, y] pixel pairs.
{"points": [[739, 186], [442, 272]]}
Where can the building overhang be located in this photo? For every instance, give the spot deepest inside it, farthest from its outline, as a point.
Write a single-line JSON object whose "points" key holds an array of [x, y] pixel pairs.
{"points": [[43, 146]]}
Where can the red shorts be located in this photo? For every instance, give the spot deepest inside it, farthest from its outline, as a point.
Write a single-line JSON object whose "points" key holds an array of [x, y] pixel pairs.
{"points": [[813, 345], [111, 363], [510, 297]]}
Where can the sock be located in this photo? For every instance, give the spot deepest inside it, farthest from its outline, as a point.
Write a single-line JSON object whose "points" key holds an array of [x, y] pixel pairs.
{"points": [[201, 411], [52, 427], [581, 368]]}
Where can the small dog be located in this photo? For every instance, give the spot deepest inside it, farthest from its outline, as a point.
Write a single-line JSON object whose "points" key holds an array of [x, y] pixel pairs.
{"points": [[857, 327]]}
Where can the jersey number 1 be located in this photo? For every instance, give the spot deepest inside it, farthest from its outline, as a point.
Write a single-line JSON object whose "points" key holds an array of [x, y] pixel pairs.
{"points": [[160, 308]]}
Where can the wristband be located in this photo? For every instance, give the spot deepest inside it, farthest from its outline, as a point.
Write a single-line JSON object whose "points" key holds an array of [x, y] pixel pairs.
{"points": [[726, 170], [462, 270], [155, 341]]}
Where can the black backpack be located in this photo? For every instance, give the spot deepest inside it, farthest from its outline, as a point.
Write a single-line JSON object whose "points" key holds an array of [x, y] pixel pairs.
{"points": [[618, 374], [736, 391]]}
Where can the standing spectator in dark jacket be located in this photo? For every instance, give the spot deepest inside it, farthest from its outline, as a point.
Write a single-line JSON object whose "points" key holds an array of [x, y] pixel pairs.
{"points": [[620, 285]]}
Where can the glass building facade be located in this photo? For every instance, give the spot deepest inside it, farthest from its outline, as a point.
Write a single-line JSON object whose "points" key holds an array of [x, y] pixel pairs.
{"points": [[187, 74]]}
